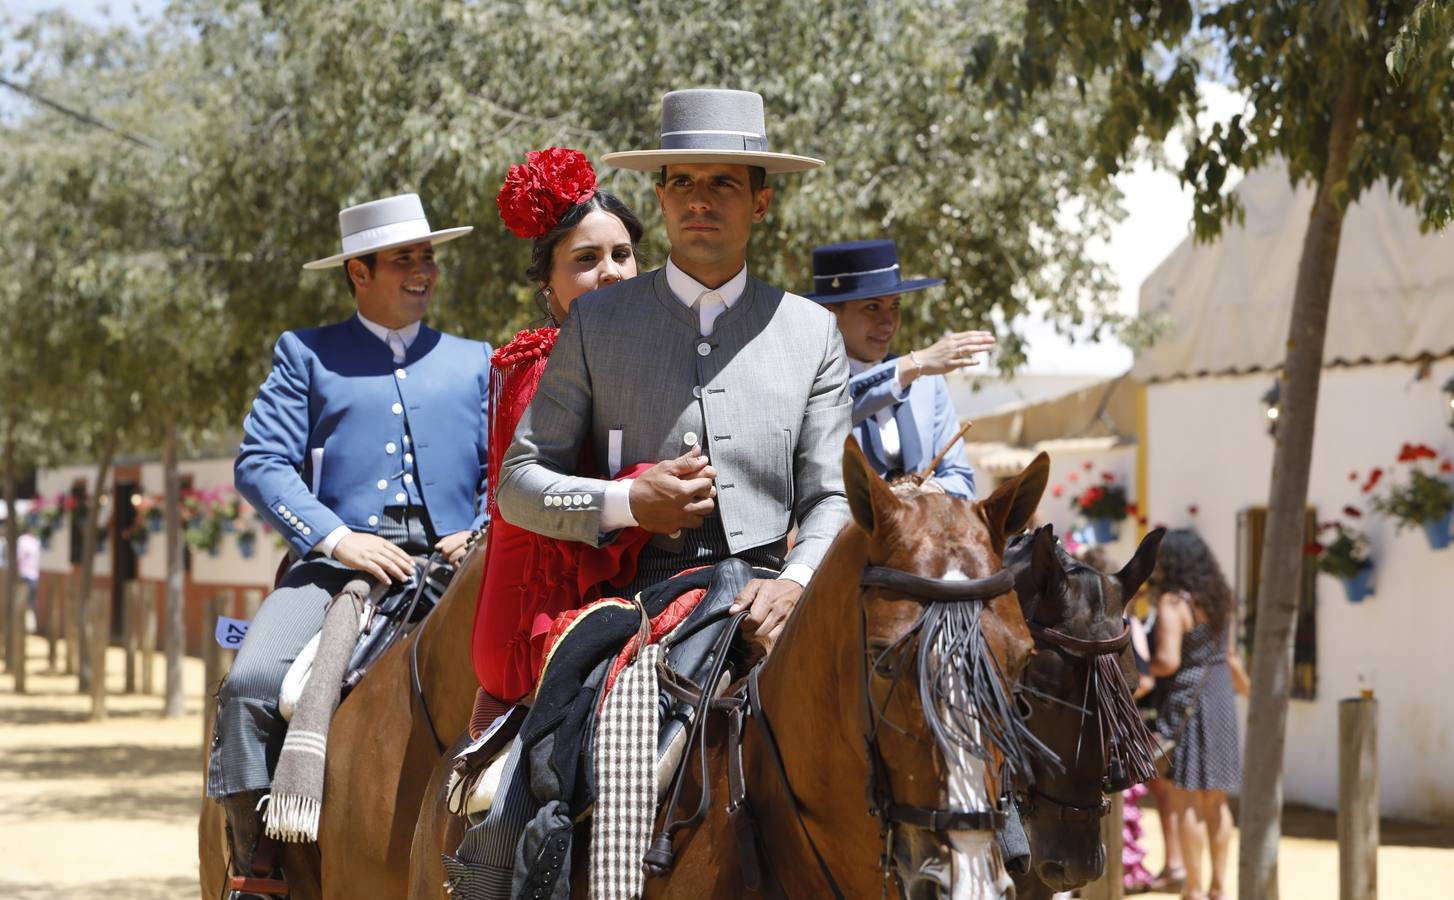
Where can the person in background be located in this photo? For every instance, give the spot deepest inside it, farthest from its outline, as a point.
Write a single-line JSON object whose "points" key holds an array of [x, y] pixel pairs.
{"points": [[27, 566], [1195, 652], [902, 414]]}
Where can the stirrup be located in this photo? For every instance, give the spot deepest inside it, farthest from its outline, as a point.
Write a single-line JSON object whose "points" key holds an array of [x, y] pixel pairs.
{"points": [[245, 886]]}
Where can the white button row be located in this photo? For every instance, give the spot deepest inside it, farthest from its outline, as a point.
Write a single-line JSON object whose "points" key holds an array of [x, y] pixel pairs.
{"points": [[568, 500]]}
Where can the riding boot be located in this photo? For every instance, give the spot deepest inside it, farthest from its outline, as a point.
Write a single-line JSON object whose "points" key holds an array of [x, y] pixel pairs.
{"points": [[252, 875]]}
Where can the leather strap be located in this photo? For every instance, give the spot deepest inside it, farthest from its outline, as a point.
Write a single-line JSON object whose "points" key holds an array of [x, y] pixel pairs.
{"points": [[942, 820], [1081, 646], [938, 590], [251, 885]]}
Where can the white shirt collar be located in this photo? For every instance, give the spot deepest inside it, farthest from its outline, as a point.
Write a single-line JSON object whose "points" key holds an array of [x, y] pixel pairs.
{"points": [[408, 333], [687, 289]]}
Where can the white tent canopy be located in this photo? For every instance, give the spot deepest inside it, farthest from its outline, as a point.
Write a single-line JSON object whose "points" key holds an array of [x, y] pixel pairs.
{"points": [[1229, 303]]}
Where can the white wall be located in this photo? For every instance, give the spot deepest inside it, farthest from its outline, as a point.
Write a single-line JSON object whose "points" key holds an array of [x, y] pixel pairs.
{"points": [[1207, 446], [228, 567]]}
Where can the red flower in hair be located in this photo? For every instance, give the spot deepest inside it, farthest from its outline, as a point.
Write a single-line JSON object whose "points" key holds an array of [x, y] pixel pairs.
{"points": [[1352, 512], [535, 195]]}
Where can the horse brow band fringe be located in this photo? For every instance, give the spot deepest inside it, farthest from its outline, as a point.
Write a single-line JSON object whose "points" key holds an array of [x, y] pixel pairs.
{"points": [[292, 818]]}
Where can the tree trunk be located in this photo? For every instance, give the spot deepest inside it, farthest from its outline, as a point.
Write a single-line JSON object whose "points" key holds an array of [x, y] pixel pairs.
{"points": [[176, 702], [99, 620], [1282, 555], [15, 605]]}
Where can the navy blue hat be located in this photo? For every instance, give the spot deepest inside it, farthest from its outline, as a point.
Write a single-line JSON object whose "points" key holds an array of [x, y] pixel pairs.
{"points": [[859, 270]]}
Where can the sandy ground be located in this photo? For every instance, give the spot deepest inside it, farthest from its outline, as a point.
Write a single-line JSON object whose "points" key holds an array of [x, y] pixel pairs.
{"points": [[108, 811]]}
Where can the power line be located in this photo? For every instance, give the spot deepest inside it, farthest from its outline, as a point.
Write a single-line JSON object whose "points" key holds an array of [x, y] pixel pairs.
{"points": [[85, 118]]}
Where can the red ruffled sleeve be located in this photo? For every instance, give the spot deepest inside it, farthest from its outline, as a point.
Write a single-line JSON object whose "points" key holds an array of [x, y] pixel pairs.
{"points": [[529, 579]]}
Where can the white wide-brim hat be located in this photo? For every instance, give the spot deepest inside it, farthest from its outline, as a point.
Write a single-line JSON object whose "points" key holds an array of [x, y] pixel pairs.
{"points": [[382, 225], [705, 125]]}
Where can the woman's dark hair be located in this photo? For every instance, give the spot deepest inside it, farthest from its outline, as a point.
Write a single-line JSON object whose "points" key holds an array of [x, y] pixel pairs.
{"points": [[1185, 563], [542, 251]]}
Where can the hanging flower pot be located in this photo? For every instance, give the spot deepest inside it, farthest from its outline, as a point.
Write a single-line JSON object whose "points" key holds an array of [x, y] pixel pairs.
{"points": [[1437, 530], [247, 544], [1103, 531], [1360, 586]]}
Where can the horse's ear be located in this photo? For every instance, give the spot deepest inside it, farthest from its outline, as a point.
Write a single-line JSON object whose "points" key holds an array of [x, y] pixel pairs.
{"points": [[1013, 503], [1135, 572], [870, 498], [1043, 576]]}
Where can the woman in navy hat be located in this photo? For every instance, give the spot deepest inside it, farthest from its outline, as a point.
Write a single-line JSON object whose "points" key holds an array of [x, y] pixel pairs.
{"points": [[902, 414]]}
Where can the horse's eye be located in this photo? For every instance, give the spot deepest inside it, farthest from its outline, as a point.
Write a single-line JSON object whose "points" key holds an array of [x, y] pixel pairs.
{"points": [[884, 661]]}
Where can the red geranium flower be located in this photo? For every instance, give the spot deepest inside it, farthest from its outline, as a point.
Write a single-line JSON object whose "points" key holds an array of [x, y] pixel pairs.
{"points": [[1352, 476], [1426, 452], [1107, 477], [1372, 481], [1086, 465], [1406, 453], [1192, 509], [1446, 466], [1057, 491], [1352, 512], [535, 195], [1073, 477], [1142, 520], [1132, 509], [1312, 548]]}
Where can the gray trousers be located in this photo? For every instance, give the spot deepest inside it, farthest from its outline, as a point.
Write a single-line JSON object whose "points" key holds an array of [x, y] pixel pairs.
{"points": [[484, 868], [248, 732]]}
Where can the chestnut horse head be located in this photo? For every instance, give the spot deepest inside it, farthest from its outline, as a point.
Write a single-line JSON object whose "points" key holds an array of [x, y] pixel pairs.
{"points": [[904, 650], [1078, 689]]}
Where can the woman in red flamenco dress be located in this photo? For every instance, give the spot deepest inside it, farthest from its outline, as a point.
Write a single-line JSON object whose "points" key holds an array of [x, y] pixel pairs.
{"points": [[583, 238]]}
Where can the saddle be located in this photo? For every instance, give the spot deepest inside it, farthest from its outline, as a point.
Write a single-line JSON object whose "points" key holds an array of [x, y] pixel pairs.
{"points": [[402, 607], [689, 622]]}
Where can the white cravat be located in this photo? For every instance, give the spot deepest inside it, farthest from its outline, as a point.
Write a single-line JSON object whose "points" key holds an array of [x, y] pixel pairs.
{"points": [[708, 302], [398, 340], [888, 426]]}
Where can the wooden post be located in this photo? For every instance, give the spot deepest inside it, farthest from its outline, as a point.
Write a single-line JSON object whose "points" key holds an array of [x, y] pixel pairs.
{"points": [[130, 628], [53, 622], [1110, 885], [1358, 798], [148, 622]]}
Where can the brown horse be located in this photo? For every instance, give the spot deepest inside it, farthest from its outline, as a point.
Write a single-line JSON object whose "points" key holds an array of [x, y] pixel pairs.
{"points": [[381, 751], [1077, 616]]}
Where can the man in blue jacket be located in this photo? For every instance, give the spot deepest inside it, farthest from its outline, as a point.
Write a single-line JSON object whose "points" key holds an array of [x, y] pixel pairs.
{"points": [[902, 414], [365, 446]]}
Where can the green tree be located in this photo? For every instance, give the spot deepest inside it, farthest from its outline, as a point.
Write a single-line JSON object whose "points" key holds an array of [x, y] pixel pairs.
{"points": [[1319, 96]]}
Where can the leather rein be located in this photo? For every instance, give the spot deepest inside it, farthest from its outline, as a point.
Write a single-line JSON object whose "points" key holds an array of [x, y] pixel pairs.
{"points": [[1083, 650]]}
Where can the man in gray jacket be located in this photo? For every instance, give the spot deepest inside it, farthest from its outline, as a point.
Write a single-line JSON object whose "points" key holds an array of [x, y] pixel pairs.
{"points": [[734, 388], [736, 393]]}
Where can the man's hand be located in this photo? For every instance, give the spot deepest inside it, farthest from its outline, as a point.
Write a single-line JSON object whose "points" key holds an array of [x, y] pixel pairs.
{"points": [[452, 546], [374, 555], [951, 352], [674, 494], [769, 602]]}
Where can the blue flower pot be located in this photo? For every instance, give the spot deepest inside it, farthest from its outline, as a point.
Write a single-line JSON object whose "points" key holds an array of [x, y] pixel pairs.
{"points": [[227, 526], [1360, 586], [1102, 531], [1437, 531], [154, 525], [247, 547]]}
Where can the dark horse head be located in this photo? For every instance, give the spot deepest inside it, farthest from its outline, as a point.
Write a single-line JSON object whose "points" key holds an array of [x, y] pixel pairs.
{"points": [[1077, 690]]}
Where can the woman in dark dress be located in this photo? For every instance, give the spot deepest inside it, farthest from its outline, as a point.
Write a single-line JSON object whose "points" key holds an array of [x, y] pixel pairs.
{"points": [[1195, 654]]}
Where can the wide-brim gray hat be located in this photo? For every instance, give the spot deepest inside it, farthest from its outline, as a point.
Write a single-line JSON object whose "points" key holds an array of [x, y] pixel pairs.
{"points": [[706, 125], [382, 225]]}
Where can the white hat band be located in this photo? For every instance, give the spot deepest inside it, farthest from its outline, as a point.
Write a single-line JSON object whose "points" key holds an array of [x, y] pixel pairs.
{"points": [[386, 235]]}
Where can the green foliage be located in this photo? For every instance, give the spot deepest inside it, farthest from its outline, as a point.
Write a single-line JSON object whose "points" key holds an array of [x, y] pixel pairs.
{"points": [[1293, 61], [1345, 555], [1422, 497]]}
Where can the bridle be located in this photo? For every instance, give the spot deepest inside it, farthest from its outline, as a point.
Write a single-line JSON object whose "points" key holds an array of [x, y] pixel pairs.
{"points": [[881, 804], [1082, 651]]}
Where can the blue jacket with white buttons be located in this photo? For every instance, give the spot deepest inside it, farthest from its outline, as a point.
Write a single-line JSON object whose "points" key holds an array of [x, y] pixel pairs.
{"points": [[339, 431], [926, 422]]}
